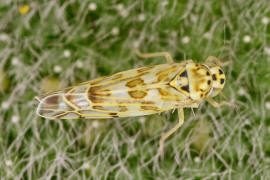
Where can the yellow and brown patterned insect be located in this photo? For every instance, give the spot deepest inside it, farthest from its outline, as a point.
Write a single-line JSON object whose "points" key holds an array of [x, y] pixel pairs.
{"points": [[138, 92]]}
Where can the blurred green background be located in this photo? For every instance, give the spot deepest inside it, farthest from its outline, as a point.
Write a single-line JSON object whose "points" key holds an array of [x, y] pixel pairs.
{"points": [[46, 45]]}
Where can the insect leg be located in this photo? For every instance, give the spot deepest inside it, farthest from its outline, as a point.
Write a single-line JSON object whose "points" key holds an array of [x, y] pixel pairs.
{"points": [[216, 104], [163, 138], [156, 54], [217, 61]]}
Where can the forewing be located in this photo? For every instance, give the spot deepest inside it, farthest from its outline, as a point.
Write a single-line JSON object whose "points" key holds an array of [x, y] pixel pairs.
{"points": [[130, 93]]}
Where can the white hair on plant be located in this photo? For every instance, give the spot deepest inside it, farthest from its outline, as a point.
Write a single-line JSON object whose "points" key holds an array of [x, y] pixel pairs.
{"points": [[5, 105], [67, 53], [265, 20], [185, 40], [15, 61], [15, 119], [57, 69], [267, 105], [92, 6], [115, 31], [246, 39]]}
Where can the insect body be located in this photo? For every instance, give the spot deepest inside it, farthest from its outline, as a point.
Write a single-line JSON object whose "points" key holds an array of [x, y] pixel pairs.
{"points": [[138, 92]]}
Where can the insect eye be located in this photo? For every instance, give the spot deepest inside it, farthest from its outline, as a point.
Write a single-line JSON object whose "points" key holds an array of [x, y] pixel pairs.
{"points": [[222, 81]]}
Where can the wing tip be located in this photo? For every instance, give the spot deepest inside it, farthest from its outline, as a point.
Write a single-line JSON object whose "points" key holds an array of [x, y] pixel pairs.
{"points": [[40, 109], [47, 106]]}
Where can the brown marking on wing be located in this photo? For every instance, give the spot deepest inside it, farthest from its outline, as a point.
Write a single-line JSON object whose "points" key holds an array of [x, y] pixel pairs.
{"points": [[95, 99], [95, 93], [137, 94], [131, 102], [52, 100], [135, 82], [93, 89], [154, 108], [167, 96], [71, 99], [98, 107], [163, 75], [113, 114], [106, 84], [98, 91], [103, 92], [143, 69], [163, 92]]}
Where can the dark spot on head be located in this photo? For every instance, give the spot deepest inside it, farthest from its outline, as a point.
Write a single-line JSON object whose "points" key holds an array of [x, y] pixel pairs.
{"points": [[220, 71], [197, 65], [184, 74], [201, 95], [209, 82], [185, 88], [207, 73], [222, 81], [214, 77]]}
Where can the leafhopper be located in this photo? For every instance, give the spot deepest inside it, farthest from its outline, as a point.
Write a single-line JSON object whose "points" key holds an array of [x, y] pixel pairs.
{"points": [[139, 92]]}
